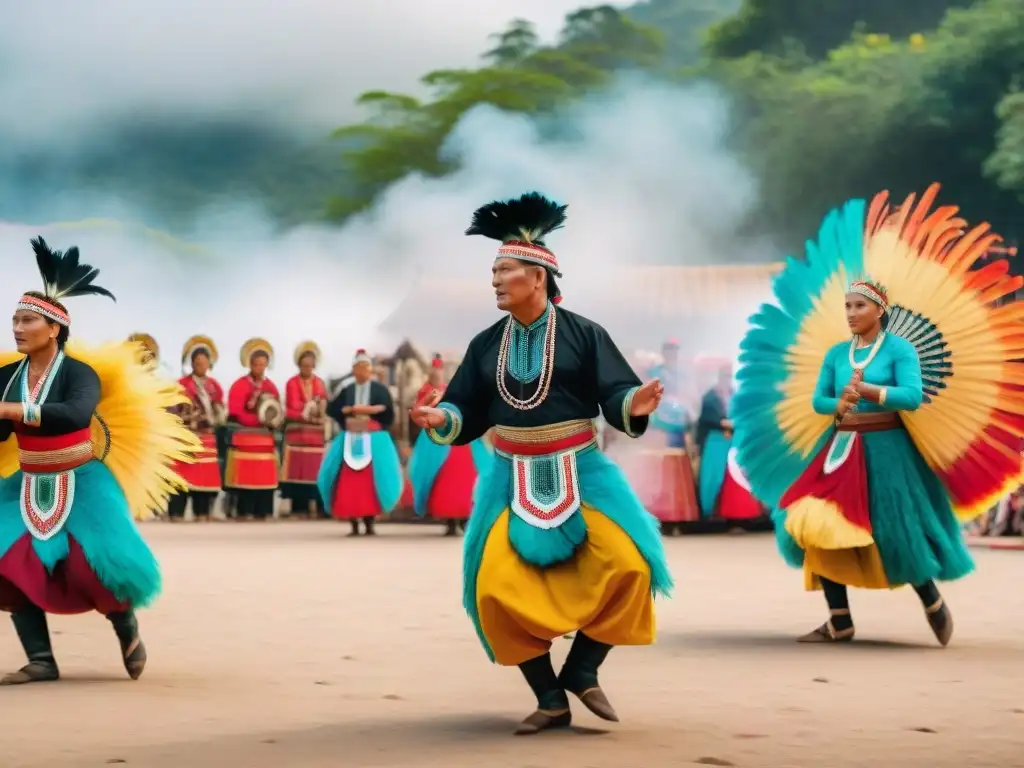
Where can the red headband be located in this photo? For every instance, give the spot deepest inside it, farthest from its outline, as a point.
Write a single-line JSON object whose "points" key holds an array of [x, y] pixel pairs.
{"points": [[45, 308]]}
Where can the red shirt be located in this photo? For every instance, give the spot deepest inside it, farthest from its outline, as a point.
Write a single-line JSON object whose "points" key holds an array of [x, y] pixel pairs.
{"points": [[242, 397], [299, 391]]}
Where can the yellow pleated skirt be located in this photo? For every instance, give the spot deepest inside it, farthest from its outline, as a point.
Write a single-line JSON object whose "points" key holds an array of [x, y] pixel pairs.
{"points": [[833, 547], [604, 590]]}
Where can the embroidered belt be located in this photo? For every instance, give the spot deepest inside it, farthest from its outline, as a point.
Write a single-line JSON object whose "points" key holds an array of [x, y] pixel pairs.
{"points": [[869, 422], [41, 455], [545, 481], [575, 436]]}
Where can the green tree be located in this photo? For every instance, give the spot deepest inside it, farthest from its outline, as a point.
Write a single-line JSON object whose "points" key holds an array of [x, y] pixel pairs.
{"points": [[883, 113], [402, 135], [818, 27]]}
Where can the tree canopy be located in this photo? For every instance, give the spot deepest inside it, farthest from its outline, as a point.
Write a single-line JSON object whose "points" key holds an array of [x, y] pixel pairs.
{"points": [[832, 101]]}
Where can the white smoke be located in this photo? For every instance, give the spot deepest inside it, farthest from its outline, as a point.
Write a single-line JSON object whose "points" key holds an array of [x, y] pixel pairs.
{"points": [[643, 167], [68, 70]]}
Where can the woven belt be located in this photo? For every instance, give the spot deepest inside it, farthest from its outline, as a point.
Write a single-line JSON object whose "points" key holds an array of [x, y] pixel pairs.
{"points": [[869, 422], [38, 455], [541, 441]]}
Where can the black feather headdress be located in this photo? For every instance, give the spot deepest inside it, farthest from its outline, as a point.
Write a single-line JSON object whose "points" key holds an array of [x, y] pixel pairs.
{"points": [[63, 273], [526, 219], [521, 224]]}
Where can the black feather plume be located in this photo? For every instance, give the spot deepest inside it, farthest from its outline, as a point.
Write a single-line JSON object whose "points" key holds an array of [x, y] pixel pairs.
{"points": [[527, 219], [63, 273]]}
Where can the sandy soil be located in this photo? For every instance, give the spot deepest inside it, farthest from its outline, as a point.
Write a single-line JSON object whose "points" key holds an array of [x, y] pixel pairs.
{"points": [[286, 645]]}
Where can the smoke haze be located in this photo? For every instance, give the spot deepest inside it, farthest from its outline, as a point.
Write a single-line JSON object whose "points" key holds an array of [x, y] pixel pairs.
{"points": [[642, 166], [69, 70]]}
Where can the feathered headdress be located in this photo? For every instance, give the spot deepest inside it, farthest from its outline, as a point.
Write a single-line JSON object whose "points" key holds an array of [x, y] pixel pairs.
{"points": [[199, 344], [63, 276], [521, 225], [253, 346], [307, 348]]}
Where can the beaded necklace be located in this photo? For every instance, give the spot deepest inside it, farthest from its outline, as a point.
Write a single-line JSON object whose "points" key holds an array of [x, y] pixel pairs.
{"points": [[875, 347], [527, 361], [33, 396]]}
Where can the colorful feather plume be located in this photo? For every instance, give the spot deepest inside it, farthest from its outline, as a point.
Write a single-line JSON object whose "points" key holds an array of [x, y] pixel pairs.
{"points": [[970, 428]]}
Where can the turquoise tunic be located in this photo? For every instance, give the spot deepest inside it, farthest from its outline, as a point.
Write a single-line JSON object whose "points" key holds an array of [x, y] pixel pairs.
{"points": [[913, 524]]}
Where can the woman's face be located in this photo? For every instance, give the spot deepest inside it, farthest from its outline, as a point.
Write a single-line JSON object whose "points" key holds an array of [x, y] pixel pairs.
{"points": [[33, 332], [862, 314], [200, 364]]}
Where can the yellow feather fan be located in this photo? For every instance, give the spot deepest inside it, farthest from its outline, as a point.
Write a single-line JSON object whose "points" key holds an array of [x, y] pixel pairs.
{"points": [[133, 431]]}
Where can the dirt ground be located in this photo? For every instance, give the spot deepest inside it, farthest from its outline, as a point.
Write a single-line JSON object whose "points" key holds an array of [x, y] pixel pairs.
{"points": [[287, 645]]}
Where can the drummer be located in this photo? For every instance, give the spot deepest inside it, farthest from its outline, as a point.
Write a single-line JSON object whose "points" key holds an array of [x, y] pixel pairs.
{"points": [[255, 414]]}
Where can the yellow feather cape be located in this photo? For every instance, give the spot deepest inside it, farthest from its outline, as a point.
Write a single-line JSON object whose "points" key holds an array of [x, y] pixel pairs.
{"points": [[133, 431]]}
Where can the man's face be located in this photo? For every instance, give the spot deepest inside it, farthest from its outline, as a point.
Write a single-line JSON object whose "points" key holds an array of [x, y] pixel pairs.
{"points": [[362, 372], [515, 282], [258, 365]]}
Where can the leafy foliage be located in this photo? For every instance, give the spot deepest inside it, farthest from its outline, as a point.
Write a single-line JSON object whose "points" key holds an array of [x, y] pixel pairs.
{"points": [[404, 135], [833, 99]]}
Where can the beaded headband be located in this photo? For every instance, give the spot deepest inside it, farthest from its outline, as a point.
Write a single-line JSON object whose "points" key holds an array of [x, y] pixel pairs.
{"points": [[531, 252], [873, 291], [44, 308]]}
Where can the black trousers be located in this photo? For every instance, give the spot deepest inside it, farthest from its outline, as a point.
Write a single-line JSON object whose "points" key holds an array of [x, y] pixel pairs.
{"points": [[302, 496], [250, 503], [202, 503]]}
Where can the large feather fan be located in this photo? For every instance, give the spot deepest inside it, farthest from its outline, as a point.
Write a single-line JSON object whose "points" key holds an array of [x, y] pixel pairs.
{"points": [[970, 427], [63, 273], [526, 219], [133, 431]]}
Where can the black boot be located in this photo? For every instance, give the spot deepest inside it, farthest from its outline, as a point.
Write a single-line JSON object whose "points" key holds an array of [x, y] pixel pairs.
{"points": [[936, 611], [133, 652], [368, 524], [450, 528], [579, 675], [34, 634], [552, 703], [355, 527]]}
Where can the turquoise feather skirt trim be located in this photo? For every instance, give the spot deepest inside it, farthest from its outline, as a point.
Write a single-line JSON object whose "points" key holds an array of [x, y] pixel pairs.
{"points": [[386, 466], [101, 523], [915, 529], [602, 485]]}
